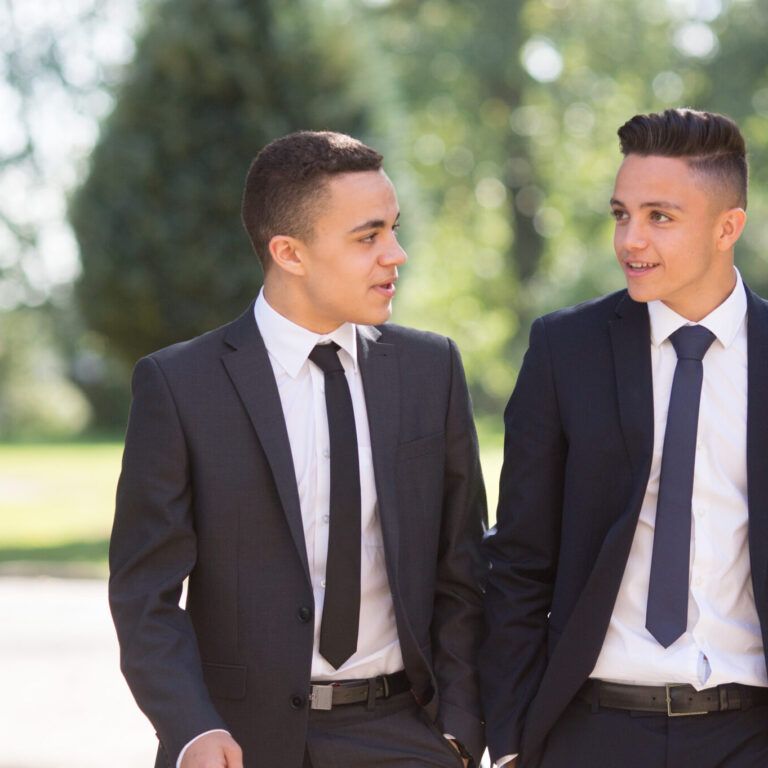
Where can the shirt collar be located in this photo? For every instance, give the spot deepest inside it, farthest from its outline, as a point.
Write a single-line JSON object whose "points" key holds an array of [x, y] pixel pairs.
{"points": [[724, 321], [290, 344]]}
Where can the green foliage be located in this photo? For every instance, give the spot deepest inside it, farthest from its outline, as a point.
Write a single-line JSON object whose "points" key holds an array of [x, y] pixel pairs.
{"points": [[164, 256], [36, 396], [497, 120], [514, 108]]}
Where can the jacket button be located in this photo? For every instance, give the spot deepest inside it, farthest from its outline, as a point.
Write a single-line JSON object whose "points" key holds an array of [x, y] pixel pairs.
{"points": [[297, 702], [305, 614]]}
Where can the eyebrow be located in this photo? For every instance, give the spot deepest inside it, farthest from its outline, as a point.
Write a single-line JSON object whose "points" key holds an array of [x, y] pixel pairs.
{"points": [[651, 204], [372, 224]]}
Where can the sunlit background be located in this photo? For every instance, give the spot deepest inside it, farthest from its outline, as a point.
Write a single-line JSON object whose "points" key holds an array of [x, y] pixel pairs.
{"points": [[127, 127]]}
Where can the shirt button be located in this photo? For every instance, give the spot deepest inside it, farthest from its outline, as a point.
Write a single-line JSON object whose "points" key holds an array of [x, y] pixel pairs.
{"points": [[322, 583], [701, 512], [327, 453], [698, 581], [326, 518]]}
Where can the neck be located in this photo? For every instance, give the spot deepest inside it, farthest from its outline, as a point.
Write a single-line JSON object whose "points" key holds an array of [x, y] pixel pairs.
{"points": [[295, 308], [708, 299]]}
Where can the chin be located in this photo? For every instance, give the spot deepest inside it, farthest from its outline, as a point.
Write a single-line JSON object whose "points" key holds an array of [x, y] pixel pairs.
{"points": [[641, 296], [376, 317]]}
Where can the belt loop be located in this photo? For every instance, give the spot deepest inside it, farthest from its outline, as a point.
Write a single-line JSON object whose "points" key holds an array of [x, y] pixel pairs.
{"points": [[371, 694], [722, 692], [745, 696], [596, 696]]}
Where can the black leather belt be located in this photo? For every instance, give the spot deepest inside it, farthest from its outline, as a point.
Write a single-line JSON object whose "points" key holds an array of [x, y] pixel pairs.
{"points": [[672, 699], [326, 695]]}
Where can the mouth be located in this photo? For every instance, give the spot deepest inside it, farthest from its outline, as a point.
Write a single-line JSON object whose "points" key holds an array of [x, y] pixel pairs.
{"points": [[386, 288], [636, 267]]}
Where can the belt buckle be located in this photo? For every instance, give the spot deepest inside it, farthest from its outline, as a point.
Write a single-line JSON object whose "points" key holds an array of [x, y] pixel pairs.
{"points": [[670, 713], [321, 697]]}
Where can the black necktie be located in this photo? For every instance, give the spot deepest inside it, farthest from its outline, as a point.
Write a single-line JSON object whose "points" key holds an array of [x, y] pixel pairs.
{"points": [[341, 609], [667, 612]]}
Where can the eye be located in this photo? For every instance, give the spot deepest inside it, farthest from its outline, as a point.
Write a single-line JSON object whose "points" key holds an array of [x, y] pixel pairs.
{"points": [[619, 214], [395, 228], [369, 238], [659, 217]]}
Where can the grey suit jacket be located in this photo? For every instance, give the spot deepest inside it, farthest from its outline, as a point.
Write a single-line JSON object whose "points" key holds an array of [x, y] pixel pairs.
{"points": [[208, 490]]}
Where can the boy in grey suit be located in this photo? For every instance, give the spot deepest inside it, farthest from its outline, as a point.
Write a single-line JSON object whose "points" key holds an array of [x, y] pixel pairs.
{"points": [[314, 472]]}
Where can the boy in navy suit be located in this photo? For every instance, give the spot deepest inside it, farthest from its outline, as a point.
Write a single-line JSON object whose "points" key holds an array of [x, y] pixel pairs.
{"points": [[627, 601]]}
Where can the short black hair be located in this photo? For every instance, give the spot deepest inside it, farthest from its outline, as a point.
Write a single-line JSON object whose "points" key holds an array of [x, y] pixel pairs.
{"points": [[287, 179], [710, 143]]}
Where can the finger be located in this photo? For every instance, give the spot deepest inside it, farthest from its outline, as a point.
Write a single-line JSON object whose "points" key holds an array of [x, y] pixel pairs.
{"points": [[234, 755]]}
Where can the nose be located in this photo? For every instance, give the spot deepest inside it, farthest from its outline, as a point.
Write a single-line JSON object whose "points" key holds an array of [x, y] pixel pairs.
{"points": [[631, 236], [393, 254]]}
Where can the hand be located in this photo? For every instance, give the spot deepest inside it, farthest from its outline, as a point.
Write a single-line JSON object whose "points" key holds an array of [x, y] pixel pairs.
{"points": [[464, 760], [214, 750]]}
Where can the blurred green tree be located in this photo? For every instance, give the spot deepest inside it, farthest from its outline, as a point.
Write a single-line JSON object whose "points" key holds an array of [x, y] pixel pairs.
{"points": [[514, 109], [157, 219]]}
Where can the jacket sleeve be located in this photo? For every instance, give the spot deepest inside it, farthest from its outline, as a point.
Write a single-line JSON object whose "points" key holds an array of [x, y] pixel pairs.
{"points": [[523, 549], [152, 550], [457, 618]]}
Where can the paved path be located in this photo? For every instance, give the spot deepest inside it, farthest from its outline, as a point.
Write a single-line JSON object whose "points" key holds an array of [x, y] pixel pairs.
{"points": [[63, 701]]}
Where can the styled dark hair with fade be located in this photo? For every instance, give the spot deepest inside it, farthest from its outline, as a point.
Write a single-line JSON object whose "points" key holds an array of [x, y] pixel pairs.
{"points": [[710, 143], [286, 183]]}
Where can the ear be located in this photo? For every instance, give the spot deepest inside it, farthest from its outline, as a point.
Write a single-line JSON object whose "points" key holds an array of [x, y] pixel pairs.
{"points": [[285, 252], [729, 228]]}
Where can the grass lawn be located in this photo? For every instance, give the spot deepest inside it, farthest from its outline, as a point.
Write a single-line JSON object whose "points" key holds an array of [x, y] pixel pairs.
{"points": [[57, 500]]}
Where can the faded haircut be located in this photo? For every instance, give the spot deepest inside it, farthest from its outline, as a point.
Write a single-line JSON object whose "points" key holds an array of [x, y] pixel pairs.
{"points": [[710, 143], [287, 183]]}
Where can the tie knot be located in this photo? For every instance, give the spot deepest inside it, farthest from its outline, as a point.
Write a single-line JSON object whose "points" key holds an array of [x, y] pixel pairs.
{"points": [[691, 342], [325, 358]]}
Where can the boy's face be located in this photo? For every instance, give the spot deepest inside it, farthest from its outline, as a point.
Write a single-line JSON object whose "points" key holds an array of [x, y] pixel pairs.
{"points": [[350, 262], [669, 235]]}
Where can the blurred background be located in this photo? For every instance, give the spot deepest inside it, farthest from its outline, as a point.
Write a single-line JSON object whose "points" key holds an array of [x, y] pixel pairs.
{"points": [[126, 130]]}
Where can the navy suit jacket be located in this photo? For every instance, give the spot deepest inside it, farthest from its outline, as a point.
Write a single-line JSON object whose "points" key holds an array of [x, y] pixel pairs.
{"points": [[208, 490], [577, 456]]}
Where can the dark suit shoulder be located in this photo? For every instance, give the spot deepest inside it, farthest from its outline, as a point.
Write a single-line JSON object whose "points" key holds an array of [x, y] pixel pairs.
{"points": [[208, 345], [391, 333], [755, 302], [601, 309], [575, 334], [411, 343]]}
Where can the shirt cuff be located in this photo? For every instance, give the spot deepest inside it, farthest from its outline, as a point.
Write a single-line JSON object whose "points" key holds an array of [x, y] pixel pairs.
{"points": [[504, 760], [190, 743]]}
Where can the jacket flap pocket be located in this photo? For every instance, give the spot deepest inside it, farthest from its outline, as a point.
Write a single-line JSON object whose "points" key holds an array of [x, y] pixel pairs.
{"points": [[413, 448], [225, 681]]}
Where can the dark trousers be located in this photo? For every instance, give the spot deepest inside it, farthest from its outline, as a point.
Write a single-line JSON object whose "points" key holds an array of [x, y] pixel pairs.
{"points": [[394, 734], [608, 738]]}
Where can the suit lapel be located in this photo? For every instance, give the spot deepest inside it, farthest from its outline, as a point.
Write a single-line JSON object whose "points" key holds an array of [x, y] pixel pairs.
{"points": [[379, 371], [582, 638], [757, 444], [251, 373], [630, 339]]}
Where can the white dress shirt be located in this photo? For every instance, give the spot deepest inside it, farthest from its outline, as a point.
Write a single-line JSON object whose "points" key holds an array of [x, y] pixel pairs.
{"points": [[723, 643], [301, 385]]}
